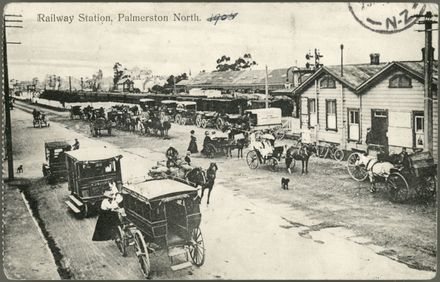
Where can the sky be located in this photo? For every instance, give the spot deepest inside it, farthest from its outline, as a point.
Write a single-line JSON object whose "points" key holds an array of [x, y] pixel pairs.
{"points": [[275, 34]]}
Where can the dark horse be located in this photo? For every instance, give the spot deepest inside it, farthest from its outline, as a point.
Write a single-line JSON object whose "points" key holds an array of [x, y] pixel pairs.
{"points": [[302, 154], [155, 124], [198, 177]]}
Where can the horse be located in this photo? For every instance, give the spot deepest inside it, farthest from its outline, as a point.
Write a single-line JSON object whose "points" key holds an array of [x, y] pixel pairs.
{"points": [[302, 154], [238, 143], [198, 177], [155, 124]]}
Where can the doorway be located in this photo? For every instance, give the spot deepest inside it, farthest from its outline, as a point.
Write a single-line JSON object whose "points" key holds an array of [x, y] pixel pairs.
{"points": [[379, 127]]}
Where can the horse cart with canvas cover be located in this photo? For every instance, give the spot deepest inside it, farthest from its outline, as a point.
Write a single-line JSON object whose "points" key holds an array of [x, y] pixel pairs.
{"points": [[410, 175], [161, 214], [76, 111], [56, 168], [89, 173], [185, 112], [99, 124], [267, 120]]}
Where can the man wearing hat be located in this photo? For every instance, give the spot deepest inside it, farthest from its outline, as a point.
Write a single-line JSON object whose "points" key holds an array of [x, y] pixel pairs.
{"points": [[368, 139]]}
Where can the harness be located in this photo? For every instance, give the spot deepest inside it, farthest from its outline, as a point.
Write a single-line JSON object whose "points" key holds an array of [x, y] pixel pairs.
{"points": [[375, 161]]}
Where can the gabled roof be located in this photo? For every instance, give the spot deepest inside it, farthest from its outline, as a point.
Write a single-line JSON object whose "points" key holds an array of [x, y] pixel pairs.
{"points": [[358, 77]]}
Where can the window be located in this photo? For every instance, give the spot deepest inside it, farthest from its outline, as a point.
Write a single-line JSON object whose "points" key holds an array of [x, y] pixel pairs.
{"points": [[353, 124], [330, 111], [418, 132], [327, 82], [313, 115], [400, 81]]}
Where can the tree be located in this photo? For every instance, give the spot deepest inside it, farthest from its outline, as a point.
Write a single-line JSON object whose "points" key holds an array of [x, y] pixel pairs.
{"points": [[169, 86], [119, 73], [243, 62]]}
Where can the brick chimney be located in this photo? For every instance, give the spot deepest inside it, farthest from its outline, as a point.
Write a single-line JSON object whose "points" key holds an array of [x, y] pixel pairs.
{"points": [[374, 58], [432, 53]]}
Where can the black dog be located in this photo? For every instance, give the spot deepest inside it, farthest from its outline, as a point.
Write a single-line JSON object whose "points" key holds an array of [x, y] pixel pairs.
{"points": [[20, 169], [285, 183]]}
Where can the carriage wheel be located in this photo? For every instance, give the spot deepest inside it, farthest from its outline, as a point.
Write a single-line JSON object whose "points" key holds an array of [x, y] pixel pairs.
{"points": [[71, 115], [177, 118], [272, 163], [252, 159], [219, 124], [197, 247], [397, 188], [280, 135], [199, 120], [86, 210], [121, 241], [426, 186], [204, 123], [357, 171], [338, 155], [142, 253]]}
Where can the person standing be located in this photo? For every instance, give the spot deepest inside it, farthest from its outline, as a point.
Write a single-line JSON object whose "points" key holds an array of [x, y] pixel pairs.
{"points": [[368, 139], [192, 148], [75, 145]]}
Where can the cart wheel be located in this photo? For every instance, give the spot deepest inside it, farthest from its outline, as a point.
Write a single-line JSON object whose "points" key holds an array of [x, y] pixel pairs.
{"points": [[142, 253], [204, 123], [121, 241], [280, 135], [199, 121], [426, 187], [197, 247], [397, 188], [219, 124], [272, 163], [86, 210], [356, 170], [252, 159], [338, 155]]}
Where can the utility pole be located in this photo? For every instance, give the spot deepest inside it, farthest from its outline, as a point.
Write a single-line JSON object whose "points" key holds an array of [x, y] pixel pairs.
{"points": [[428, 61], [8, 131], [267, 89], [174, 85], [70, 84]]}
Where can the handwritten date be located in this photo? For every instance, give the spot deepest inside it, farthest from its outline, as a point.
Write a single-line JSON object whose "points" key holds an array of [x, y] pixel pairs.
{"points": [[218, 17]]}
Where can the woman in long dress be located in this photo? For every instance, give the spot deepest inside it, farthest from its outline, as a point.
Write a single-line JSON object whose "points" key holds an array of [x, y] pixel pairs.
{"points": [[108, 220], [193, 144]]}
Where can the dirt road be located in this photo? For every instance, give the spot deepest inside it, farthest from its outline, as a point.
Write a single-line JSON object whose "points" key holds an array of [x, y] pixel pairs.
{"points": [[326, 227]]}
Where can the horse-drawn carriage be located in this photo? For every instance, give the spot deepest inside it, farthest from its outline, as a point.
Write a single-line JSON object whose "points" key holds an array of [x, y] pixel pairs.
{"points": [[265, 121], [40, 120], [161, 214], [405, 175], [89, 174], [168, 108], [75, 111], [206, 119], [185, 112], [56, 168], [267, 155], [147, 104], [99, 124]]}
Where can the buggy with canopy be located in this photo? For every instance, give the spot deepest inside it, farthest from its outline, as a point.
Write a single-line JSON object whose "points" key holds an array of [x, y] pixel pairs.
{"points": [[161, 214], [89, 173]]}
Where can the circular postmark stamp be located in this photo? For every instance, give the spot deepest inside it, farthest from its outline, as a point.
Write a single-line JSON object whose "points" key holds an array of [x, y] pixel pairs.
{"points": [[386, 17]]}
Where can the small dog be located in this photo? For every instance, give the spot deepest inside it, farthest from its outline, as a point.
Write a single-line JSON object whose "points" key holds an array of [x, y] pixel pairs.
{"points": [[20, 169], [285, 183]]}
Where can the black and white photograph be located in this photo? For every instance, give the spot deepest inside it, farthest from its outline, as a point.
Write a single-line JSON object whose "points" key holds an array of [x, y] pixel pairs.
{"points": [[220, 140]]}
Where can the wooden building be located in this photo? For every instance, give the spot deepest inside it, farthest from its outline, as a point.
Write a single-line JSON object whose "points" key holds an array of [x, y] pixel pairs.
{"points": [[339, 104]]}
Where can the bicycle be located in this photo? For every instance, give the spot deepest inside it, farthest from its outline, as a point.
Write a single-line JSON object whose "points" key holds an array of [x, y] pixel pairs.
{"points": [[332, 151]]}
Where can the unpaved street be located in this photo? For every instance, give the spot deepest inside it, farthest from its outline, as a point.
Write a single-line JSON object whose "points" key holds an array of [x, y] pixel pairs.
{"points": [[327, 226]]}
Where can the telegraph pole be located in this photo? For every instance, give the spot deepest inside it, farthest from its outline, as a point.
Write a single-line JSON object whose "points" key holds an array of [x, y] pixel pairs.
{"points": [[8, 132], [267, 89], [428, 62]]}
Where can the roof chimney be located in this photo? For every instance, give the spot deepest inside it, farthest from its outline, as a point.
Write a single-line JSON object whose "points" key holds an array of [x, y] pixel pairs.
{"points": [[374, 58], [432, 53]]}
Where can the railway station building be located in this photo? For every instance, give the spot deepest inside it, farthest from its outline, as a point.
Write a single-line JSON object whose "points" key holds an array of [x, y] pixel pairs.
{"points": [[338, 105]]}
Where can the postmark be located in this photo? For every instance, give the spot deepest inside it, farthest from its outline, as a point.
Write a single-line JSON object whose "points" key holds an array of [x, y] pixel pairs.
{"points": [[386, 17]]}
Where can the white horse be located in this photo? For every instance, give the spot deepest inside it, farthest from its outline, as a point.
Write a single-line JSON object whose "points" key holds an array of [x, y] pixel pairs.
{"points": [[374, 168]]}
